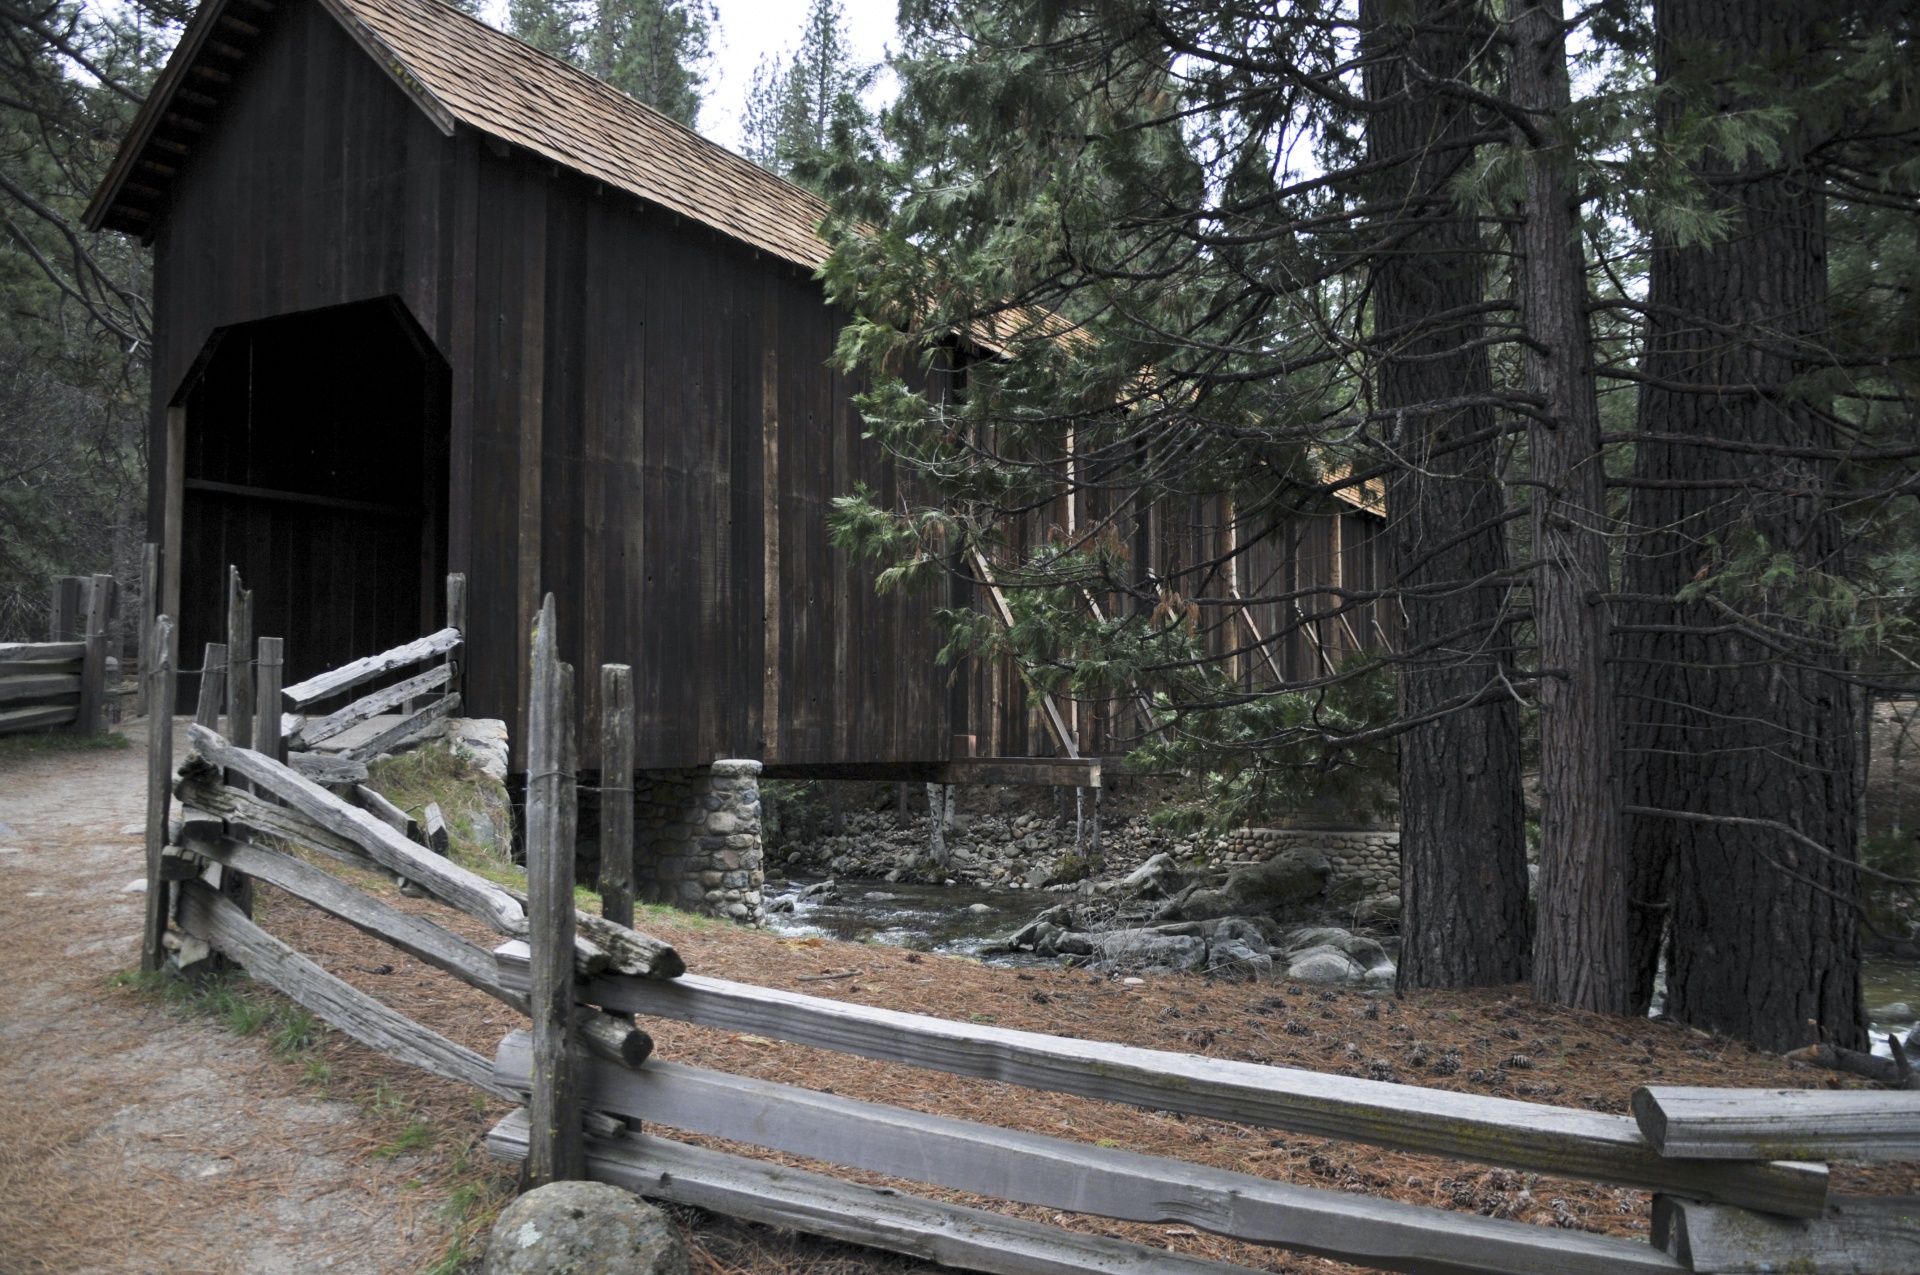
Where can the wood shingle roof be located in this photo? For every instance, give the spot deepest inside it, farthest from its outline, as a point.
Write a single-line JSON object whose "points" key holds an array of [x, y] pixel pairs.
{"points": [[462, 72]]}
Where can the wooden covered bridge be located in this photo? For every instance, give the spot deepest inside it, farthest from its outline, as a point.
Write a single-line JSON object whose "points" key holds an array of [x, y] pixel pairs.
{"points": [[428, 300]]}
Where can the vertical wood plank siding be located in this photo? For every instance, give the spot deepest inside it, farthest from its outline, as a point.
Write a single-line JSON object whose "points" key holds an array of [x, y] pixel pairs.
{"points": [[607, 371]]}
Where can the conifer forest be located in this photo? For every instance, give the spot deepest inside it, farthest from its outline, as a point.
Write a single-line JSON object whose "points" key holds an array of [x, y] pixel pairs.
{"points": [[1611, 311]]}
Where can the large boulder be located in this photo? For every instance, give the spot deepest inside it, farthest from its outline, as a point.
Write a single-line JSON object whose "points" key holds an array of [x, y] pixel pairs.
{"points": [[1157, 878], [1328, 954], [1149, 950], [1323, 965], [1237, 947], [583, 1228], [1289, 880]]}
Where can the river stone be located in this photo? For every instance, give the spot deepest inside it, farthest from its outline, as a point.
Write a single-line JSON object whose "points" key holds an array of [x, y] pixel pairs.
{"points": [[1156, 878], [1324, 965], [1287, 880], [1145, 949], [1231, 956], [583, 1228]]}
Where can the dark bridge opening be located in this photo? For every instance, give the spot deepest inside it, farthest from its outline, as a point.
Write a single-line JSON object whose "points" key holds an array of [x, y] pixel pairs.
{"points": [[316, 462]]}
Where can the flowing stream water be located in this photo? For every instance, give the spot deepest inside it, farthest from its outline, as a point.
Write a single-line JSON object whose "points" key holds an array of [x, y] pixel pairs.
{"points": [[958, 920], [961, 920]]}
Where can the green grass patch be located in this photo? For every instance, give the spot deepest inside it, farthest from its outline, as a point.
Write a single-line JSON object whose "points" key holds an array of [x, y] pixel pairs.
{"points": [[34, 745], [673, 916], [478, 814], [415, 1135]]}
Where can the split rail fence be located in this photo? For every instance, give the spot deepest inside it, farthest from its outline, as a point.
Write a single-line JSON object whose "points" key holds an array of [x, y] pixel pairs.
{"points": [[1739, 1178], [66, 682]]}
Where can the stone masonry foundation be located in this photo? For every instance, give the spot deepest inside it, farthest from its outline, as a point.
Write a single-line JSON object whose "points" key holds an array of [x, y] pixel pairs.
{"points": [[696, 839], [1365, 862]]}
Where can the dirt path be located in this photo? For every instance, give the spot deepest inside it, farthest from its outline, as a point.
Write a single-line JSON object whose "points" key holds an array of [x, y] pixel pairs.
{"points": [[133, 1139]]}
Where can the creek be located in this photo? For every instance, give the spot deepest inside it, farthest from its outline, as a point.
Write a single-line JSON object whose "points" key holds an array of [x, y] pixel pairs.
{"points": [[960, 920], [957, 920]]}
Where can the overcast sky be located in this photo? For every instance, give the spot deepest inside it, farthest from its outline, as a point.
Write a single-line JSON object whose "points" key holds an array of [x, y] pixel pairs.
{"points": [[751, 28], [748, 30]]}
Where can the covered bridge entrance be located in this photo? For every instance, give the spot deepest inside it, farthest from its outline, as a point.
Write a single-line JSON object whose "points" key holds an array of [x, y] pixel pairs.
{"points": [[315, 460]]}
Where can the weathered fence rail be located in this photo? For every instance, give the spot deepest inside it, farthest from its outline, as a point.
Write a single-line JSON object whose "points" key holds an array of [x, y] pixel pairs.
{"points": [[1738, 1176], [1500, 1131], [65, 682]]}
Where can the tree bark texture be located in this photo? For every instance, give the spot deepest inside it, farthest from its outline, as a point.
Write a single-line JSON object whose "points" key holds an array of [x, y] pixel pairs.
{"points": [[1717, 721], [1464, 918], [1580, 941]]}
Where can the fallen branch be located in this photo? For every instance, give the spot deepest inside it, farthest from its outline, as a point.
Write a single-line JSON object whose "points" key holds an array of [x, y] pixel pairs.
{"points": [[1885, 1071]]}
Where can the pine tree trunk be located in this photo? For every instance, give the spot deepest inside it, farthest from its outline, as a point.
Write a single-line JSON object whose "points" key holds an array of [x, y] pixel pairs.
{"points": [[1580, 941], [1716, 721], [1463, 864]]}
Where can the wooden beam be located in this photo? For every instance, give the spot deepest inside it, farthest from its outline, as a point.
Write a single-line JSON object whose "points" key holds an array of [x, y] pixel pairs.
{"points": [[1780, 1124], [325, 768], [157, 668], [1857, 1235], [173, 499], [774, 1195], [1055, 1173], [405, 729], [41, 686], [199, 788], [322, 685], [41, 668], [319, 729], [277, 496], [555, 1153], [416, 936], [616, 793], [377, 805], [149, 607], [1064, 772], [1005, 612], [1503, 1131], [445, 880], [93, 669], [213, 685], [268, 738], [457, 621], [772, 621], [14, 720], [215, 920], [43, 650], [239, 660]]}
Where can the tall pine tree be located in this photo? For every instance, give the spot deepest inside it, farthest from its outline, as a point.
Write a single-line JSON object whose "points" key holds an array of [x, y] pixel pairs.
{"points": [[653, 50], [1742, 731], [1463, 852], [797, 105]]}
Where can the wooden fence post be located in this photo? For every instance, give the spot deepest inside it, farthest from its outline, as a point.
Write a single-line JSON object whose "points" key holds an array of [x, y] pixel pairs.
{"points": [[149, 607], [239, 661], [266, 713], [156, 666], [93, 669], [457, 619], [616, 793], [213, 686], [556, 1152], [66, 612]]}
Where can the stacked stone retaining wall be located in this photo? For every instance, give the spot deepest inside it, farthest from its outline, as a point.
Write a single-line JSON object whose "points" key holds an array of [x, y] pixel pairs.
{"points": [[1364, 862], [696, 835]]}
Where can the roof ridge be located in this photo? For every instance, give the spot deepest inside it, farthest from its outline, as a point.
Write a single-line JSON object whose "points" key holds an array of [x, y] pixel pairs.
{"points": [[469, 72], [581, 73]]}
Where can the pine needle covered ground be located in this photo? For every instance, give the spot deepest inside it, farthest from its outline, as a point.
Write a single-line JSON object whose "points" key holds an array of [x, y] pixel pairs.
{"points": [[1493, 1042]]}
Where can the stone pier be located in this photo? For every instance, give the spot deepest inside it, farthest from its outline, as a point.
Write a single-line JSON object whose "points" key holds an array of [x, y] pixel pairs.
{"points": [[696, 835]]}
